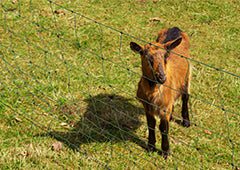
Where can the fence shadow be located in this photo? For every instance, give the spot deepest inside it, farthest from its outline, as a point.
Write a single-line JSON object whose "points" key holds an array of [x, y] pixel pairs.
{"points": [[107, 118]]}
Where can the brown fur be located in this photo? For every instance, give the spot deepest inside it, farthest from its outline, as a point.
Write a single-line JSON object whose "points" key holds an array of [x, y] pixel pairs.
{"points": [[174, 72]]}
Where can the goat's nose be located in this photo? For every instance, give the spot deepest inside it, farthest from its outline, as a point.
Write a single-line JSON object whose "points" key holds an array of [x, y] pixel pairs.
{"points": [[161, 78], [162, 75]]}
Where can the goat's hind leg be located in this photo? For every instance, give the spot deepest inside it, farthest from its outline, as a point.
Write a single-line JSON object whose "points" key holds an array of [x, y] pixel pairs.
{"points": [[185, 114]]}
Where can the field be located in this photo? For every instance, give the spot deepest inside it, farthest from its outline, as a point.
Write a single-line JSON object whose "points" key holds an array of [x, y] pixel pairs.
{"points": [[69, 81]]}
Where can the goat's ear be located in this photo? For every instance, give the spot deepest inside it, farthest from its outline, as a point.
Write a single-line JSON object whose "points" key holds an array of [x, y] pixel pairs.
{"points": [[172, 44], [136, 48]]}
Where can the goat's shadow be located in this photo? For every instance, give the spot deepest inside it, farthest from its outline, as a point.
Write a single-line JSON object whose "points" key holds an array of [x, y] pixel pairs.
{"points": [[107, 118]]}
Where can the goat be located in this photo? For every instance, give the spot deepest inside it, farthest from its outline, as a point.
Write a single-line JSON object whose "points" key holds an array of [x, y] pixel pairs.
{"points": [[165, 77]]}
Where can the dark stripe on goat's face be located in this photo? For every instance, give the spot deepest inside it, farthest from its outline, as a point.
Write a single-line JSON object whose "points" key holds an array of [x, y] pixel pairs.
{"points": [[157, 63], [161, 77], [151, 60]]}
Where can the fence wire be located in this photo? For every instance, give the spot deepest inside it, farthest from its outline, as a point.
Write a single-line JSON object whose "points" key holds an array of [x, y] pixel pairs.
{"points": [[56, 72]]}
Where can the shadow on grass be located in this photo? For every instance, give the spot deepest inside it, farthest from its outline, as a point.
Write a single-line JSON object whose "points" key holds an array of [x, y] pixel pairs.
{"points": [[107, 118]]}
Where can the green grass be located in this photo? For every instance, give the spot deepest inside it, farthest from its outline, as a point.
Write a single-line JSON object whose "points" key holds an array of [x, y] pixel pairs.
{"points": [[55, 86]]}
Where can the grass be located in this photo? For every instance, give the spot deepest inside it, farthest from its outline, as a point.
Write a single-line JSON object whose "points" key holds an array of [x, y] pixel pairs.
{"points": [[73, 80]]}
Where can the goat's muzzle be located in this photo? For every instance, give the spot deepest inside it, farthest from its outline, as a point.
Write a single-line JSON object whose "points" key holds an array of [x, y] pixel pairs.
{"points": [[161, 78]]}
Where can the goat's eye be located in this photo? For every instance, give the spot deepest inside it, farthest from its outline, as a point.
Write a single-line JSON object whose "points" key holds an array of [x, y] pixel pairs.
{"points": [[150, 58]]}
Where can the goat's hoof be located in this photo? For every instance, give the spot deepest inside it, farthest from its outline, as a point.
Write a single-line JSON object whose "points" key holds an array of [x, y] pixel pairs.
{"points": [[186, 123], [165, 154], [151, 148]]}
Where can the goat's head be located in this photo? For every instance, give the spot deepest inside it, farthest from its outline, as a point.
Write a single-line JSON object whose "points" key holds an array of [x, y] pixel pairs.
{"points": [[154, 58]]}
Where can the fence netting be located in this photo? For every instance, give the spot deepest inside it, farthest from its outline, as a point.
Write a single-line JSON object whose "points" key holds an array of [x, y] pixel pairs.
{"points": [[76, 79]]}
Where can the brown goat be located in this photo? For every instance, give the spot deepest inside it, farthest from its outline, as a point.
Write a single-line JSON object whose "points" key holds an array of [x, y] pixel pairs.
{"points": [[165, 78]]}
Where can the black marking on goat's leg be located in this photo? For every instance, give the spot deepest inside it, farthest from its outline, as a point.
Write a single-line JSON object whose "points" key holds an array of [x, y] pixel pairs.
{"points": [[151, 132], [164, 126], [172, 112], [185, 115]]}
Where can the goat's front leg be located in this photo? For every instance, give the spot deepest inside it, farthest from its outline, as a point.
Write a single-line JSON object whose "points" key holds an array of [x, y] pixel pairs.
{"points": [[164, 127], [151, 121]]}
